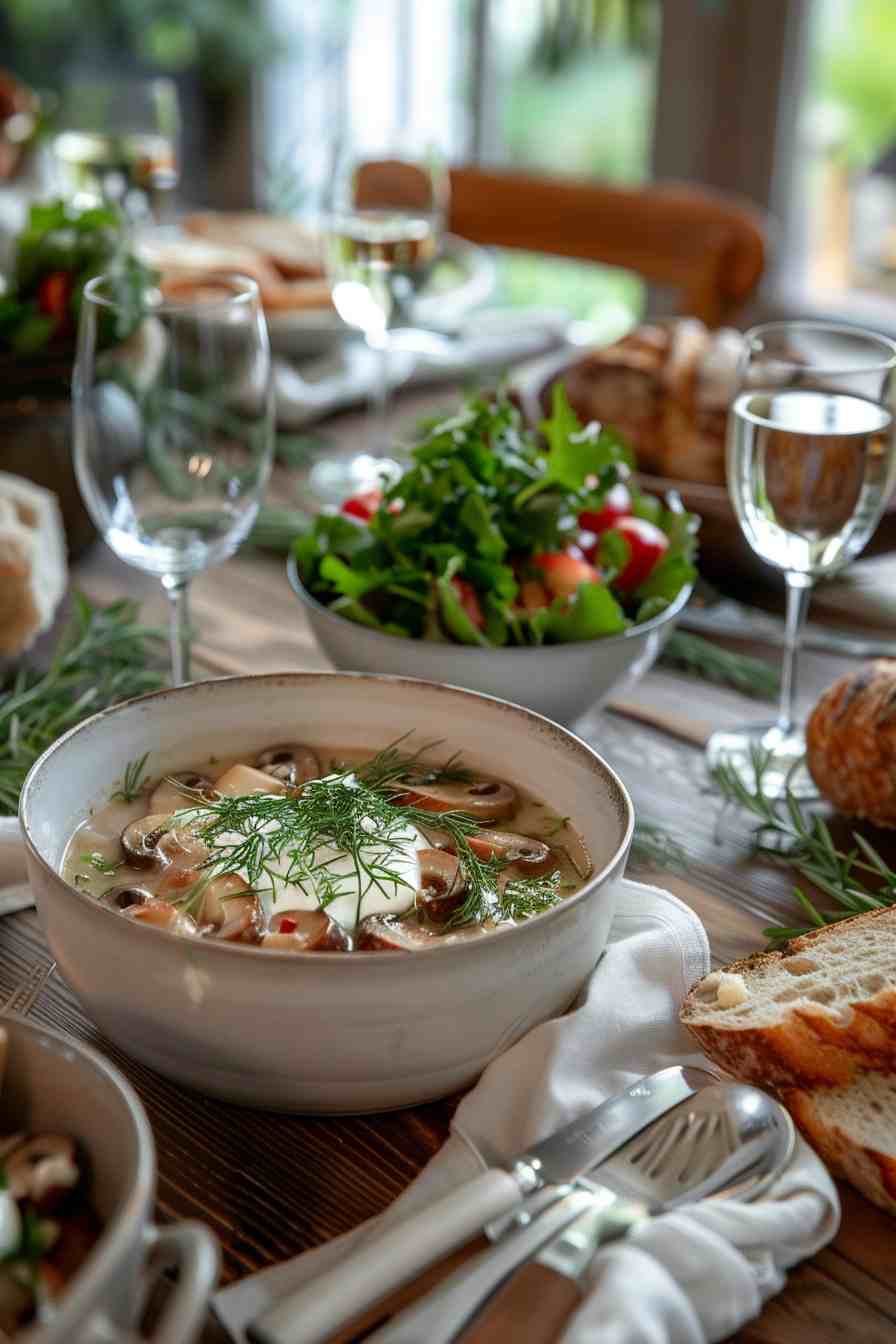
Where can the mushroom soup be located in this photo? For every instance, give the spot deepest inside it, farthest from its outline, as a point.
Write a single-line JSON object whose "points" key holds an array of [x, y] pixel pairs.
{"points": [[296, 851]]}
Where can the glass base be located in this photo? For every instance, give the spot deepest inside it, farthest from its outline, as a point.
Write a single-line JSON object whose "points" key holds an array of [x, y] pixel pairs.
{"points": [[735, 748], [334, 479]]}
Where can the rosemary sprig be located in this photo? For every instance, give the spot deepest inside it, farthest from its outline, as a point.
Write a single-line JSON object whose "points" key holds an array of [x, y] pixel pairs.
{"points": [[788, 834], [656, 847], [104, 656], [134, 780], [701, 658]]}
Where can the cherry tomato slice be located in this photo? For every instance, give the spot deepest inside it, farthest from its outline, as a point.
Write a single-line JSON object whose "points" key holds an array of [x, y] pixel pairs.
{"points": [[363, 505], [563, 571], [647, 545], [469, 600], [617, 504]]}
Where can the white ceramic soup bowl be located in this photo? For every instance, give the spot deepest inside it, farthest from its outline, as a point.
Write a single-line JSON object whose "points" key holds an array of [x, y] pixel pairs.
{"points": [[53, 1084], [321, 1032], [560, 680]]}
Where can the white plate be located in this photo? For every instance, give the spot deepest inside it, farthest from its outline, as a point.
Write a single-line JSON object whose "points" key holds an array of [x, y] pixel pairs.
{"points": [[311, 331]]}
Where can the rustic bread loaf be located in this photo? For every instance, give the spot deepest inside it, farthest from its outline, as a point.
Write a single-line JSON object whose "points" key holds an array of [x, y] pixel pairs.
{"points": [[817, 1013], [667, 388], [851, 743], [854, 1130]]}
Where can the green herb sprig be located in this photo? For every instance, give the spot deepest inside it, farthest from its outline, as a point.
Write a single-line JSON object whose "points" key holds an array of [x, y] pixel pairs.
{"points": [[134, 780], [788, 834], [105, 655], [357, 812], [701, 658]]}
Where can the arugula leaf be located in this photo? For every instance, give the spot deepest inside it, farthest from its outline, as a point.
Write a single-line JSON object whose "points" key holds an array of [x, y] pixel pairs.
{"points": [[650, 607], [668, 579], [575, 454], [454, 618], [590, 614], [614, 554], [352, 582], [354, 611], [476, 517]]}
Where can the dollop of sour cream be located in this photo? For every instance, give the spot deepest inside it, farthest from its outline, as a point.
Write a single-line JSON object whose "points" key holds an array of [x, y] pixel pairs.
{"points": [[330, 866]]}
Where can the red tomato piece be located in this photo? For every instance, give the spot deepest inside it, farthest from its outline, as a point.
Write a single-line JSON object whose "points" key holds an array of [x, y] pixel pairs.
{"points": [[363, 505], [469, 600], [617, 504], [647, 544], [287, 925], [53, 294], [563, 571], [533, 595]]}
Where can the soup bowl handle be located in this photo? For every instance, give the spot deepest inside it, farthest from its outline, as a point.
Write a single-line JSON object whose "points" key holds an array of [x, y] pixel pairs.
{"points": [[191, 1249]]}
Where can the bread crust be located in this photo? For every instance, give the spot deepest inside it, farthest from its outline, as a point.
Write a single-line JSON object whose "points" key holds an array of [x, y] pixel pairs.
{"points": [[871, 1172], [808, 1047]]}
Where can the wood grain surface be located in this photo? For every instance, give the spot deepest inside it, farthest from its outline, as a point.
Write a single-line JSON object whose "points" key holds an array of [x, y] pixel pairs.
{"points": [[270, 1186]]}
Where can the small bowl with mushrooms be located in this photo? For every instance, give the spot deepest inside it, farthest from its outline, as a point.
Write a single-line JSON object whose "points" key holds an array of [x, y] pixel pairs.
{"points": [[78, 1166], [329, 882]]}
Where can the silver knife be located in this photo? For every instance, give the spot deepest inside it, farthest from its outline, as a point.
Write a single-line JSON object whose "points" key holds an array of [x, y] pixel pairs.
{"points": [[728, 617], [320, 1307]]}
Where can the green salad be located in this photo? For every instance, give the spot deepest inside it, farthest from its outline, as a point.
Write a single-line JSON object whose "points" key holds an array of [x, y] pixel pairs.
{"points": [[58, 251], [494, 537]]}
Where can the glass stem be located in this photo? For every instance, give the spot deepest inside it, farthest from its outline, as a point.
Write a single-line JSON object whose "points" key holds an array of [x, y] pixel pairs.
{"points": [[178, 589], [799, 591], [379, 395]]}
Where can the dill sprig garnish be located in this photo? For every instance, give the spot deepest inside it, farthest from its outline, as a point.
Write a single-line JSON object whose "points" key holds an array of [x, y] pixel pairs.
{"points": [[393, 766], [134, 780], [355, 812]]}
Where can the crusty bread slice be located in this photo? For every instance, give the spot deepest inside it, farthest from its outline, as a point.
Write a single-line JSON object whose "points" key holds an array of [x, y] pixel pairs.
{"points": [[816, 1013], [854, 1129]]}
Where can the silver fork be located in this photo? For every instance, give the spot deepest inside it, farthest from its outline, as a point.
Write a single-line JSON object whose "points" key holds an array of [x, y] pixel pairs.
{"points": [[28, 990]]}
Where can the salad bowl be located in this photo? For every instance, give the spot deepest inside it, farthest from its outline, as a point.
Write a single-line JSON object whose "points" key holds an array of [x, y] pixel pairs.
{"points": [[562, 681], [321, 1031], [519, 565]]}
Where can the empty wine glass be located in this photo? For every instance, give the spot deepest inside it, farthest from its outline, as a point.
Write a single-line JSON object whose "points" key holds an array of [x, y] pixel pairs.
{"points": [[118, 142], [384, 211], [811, 464], [173, 426]]}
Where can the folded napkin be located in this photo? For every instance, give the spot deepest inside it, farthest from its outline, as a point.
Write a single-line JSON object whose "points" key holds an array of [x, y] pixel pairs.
{"points": [[700, 1274], [489, 339], [14, 891]]}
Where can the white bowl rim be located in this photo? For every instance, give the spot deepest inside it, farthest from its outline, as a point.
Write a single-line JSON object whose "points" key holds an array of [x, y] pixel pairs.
{"points": [[507, 651], [218, 948], [137, 1203]]}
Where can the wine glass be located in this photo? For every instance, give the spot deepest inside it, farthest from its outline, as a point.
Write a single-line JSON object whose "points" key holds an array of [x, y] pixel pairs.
{"points": [[811, 464], [173, 426], [384, 211], [118, 143]]}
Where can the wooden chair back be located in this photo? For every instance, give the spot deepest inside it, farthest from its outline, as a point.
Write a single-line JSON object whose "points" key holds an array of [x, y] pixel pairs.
{"points": [[708, 247]]}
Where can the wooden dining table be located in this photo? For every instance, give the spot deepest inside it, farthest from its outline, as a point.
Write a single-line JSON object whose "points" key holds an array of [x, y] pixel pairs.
{"points": [[270, 1186]]}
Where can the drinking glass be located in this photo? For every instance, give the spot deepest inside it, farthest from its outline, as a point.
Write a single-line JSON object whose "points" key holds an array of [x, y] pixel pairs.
{"points": [[811, 465], [384, 211], [173, 426], [118, 142]]}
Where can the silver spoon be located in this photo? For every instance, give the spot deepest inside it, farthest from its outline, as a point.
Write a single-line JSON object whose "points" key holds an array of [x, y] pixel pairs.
{"points": [[729, 1141]]}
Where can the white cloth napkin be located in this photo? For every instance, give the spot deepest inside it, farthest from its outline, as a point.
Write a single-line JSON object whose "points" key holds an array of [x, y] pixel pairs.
{"points": [[685, 1278], [14, 892], [490, 339]]}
